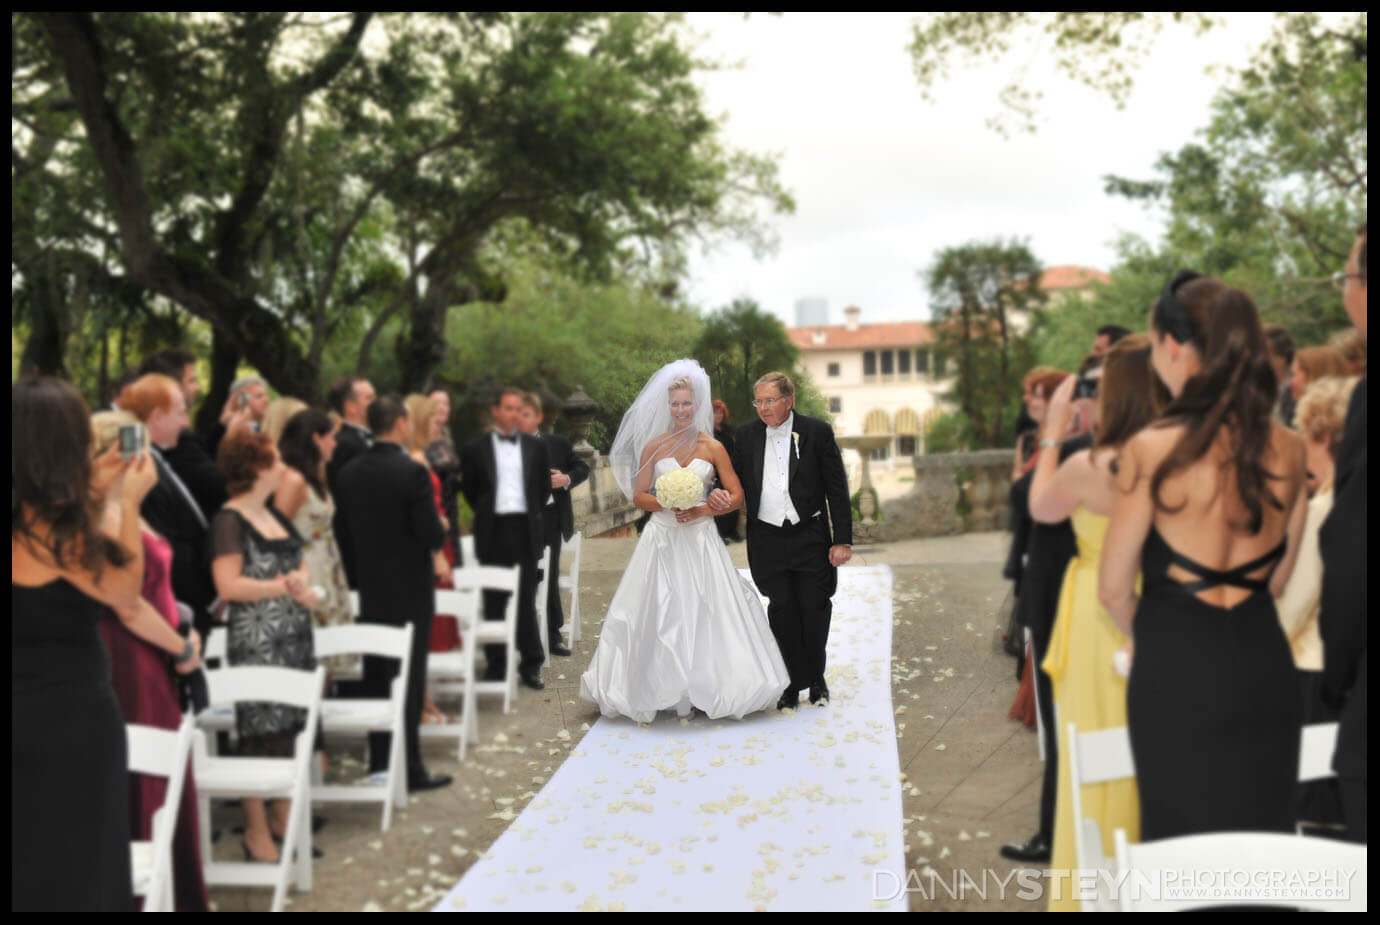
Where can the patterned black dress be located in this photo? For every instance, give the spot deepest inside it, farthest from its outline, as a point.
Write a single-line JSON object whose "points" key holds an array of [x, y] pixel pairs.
{"points": [[275, 631]]}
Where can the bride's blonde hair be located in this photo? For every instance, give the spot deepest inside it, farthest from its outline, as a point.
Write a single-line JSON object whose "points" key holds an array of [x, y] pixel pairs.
{"points": [[683, 382]]}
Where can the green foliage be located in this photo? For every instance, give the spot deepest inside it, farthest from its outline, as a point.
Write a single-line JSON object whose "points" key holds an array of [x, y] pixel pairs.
{"points": [[977, 290], [856, 502], [740, 344], [948, 433], [1097, 48], [307, 184]]}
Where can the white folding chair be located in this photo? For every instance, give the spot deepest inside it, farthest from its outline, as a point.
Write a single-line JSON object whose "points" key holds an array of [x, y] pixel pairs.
{"points": [[481, 578], [1095, 758], [216, 718], [468, 557], [359, 717], [262, 778], [1316, 748], [1240, 868], [159, 753], [549, 565], [452, 673], [571, 582]]}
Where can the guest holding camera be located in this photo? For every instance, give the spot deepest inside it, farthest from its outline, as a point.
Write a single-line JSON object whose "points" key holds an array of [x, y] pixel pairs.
{"points": [[69, 782]]}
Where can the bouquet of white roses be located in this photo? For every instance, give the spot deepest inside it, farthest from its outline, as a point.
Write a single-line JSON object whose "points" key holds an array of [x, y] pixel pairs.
{"points": [[681, 489]]}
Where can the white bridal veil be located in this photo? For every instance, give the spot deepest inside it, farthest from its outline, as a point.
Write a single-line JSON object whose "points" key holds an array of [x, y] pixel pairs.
{"points": [[649, 417]]}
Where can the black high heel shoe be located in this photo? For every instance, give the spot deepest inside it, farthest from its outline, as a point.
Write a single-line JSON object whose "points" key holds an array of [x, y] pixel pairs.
{"points": [[315, 851]]}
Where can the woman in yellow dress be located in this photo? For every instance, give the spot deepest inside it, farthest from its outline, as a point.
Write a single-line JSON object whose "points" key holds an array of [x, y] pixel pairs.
{"points": [[1089, 691]]}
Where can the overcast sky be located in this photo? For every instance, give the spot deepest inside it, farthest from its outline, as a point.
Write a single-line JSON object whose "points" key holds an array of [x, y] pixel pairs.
{"points": [[883, 179]]}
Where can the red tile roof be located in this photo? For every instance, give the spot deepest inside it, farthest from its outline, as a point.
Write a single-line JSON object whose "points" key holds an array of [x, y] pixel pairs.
{"points": [[885, 334], [1071, 277]]}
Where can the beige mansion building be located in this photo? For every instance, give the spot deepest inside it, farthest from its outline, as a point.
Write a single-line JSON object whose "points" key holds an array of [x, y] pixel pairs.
{"points": [[886, 377]]}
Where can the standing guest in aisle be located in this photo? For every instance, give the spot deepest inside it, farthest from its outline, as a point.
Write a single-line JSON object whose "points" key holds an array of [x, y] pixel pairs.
{"points": [[506, 478], [1209, 499], [350, 398], [386, 513], [558, 514], [189, 458], [1343, 617]]}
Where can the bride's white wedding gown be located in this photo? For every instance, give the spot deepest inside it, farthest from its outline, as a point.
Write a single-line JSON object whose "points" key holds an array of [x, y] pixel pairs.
{"points": [[684, 628]]}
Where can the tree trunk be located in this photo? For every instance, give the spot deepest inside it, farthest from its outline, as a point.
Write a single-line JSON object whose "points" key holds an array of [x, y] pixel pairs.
{"points": [[225, 362]]}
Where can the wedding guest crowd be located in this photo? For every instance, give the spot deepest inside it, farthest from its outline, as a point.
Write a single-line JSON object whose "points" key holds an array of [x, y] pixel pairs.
{"points": [[1211, 591]]}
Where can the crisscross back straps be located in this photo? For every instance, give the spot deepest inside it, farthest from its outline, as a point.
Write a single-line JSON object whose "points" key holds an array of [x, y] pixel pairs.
{"points": [[1236, 577]]}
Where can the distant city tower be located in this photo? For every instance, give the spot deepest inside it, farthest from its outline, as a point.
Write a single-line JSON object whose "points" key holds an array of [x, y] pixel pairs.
{"points": [[812, 312]]}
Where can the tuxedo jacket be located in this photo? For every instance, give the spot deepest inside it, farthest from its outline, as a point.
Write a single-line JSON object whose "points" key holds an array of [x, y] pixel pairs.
{"points": [[350, 443], [564, 458], [387, 519], [170, 513], [817, 480], [198, 470], [1342, 617], [479, 483]]}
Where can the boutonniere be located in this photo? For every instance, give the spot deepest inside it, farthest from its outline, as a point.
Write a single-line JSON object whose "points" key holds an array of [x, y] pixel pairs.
{"points": [[795, 436]]}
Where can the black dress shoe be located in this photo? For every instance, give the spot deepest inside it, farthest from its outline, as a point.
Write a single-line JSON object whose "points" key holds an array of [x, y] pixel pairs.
{"points": [[1037, 849], [531, 679], [558, 649], [819, 694], [789, 700], [428, 782]]}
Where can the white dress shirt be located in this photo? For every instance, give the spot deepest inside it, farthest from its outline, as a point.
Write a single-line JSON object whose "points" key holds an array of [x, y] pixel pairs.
{"points": [[775, 507], [509, 497]]}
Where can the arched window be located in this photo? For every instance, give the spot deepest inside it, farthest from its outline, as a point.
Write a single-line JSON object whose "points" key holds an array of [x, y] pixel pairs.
{"points": [[877, 422]]}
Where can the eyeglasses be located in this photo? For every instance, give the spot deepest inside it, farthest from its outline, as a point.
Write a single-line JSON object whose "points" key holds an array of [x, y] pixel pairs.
{"points": [[767, 402], [1339, 279]]}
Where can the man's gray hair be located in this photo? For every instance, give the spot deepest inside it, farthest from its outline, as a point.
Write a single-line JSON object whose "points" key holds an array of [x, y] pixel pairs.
{"points": [[784, 387], [244, 382]]}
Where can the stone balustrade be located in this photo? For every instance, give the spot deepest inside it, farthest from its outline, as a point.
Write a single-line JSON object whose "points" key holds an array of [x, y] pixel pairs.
{"points": [[598, 503], [941, 504]]}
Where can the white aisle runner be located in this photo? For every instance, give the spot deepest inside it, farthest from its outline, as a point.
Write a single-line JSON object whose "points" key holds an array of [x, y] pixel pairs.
{"points": [[779, 811]]}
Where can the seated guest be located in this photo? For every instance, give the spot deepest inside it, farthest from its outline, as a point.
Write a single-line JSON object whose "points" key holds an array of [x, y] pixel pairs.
{"points": [[140, 641], [171, 509], [260, 575], [1320, 418], [69, 818]]}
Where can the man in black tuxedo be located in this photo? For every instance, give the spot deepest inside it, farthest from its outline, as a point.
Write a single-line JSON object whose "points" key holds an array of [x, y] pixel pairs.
{"points": [[388, 517], [506, 478], [170, 507], [795, 489], [558, 515], [1342, 617], [350, 398], [189, 458]]}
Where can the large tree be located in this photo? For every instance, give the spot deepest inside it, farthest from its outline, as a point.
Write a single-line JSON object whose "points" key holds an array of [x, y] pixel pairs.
{"points": [[979, 295], [296, 178], [741, 343]]}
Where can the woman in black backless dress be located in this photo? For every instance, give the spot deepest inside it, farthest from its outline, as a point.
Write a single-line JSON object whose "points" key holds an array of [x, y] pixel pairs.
{"points": [[69, 816], [1213, 716]]}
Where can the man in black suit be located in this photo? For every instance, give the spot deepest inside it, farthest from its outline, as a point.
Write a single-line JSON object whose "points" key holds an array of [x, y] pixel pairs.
{"points": [[795, 489], [350, 398], [506, 478], [558, 515], [1342, 541], [170, 507], [189, 458], [388, 517]]}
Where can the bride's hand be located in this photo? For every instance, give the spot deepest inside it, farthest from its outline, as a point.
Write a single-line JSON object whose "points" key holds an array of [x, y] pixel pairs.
{"points": [[694, 513], [719, 501]]}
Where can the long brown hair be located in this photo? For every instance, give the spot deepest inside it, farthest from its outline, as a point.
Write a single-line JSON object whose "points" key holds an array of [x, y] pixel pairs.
{"points": [[1321, 362], [1235, 388], [1130, 394], [52, 506]]}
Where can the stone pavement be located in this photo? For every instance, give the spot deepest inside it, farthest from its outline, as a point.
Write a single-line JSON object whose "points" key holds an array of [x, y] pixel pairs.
{"points": [[973, 776]]}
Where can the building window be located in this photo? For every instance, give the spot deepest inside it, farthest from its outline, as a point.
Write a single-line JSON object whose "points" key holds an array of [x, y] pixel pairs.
{"points": [[922, 360], [833, 370], [906, 446], [835, 405], [888, 362], [903, 362], [881, 454], [869, 362], [941, 364]]}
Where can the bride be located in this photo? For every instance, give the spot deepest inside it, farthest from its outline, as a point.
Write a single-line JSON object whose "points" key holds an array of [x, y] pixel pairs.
{"points": [[684, 629]]}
